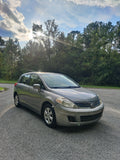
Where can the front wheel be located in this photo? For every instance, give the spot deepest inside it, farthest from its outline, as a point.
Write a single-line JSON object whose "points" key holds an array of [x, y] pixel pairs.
{"points": [[49, 116], [16, 100]]}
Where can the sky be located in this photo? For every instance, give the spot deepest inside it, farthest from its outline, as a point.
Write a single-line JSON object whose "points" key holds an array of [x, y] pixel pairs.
{"points": [[17, 16]]}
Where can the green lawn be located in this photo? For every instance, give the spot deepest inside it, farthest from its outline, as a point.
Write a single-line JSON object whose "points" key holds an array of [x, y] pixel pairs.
{"points": [[5, 81], [1, 89]]}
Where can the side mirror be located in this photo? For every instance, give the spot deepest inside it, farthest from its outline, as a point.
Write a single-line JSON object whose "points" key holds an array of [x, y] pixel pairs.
{"points": [[37, 86]]}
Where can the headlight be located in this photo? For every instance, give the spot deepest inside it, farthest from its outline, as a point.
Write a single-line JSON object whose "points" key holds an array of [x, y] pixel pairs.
{"points": [[65, 102], [99, 99]]}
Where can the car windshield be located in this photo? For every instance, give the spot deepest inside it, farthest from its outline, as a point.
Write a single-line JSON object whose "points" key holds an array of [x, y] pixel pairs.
{"points": [[59, 81]]}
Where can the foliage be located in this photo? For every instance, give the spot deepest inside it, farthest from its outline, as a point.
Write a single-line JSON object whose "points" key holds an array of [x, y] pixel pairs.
{"points": [[91, 57], [9, 60]]}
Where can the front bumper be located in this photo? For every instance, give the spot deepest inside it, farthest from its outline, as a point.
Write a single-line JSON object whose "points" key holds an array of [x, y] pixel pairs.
{"points": [[73, 117]]}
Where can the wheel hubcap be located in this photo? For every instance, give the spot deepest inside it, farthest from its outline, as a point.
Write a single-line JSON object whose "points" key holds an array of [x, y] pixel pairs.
{"points": [[48, 116], [16, 100]]}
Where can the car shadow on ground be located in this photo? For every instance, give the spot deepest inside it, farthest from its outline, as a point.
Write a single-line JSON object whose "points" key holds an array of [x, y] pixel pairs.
{"points": [[31, 112], [73, 129], [101, 126], [69, 129]]}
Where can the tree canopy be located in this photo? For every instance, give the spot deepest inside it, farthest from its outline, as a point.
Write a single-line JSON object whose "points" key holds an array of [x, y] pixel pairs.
{"points": [[91, 57]]}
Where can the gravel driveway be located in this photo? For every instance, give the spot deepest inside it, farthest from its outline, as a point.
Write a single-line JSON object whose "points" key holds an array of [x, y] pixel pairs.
{"points": [[23, 135]]}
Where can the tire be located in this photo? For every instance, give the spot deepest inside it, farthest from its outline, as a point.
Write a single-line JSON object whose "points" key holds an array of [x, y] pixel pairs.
{"points": [[49, 116], [16, 101]]}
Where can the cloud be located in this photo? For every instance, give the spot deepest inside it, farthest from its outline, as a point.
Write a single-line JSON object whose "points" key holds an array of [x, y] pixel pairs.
{"points": [[14, 3], [63, 12], [4, 9], [13, 20], [70, 16], [100, 3]]}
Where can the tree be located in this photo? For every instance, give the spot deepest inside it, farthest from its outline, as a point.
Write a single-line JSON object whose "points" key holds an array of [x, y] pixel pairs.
{"points": [[1, 63], [117, 35], [88, 57], [11, 57], [46, 37], [1, 41], [33, 56]]}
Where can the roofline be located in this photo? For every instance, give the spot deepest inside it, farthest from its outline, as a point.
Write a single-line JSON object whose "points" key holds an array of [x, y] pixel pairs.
{"points": [[37, 72]]}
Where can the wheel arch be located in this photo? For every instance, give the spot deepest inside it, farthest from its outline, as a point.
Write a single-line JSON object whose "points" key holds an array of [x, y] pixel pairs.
{"points": [[43, 105], [53, 124], [14, 93]]}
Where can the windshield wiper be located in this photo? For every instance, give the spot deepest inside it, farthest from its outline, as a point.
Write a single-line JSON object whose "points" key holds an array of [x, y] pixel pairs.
{"points": [[73, 87], [55, 87], [66, 87]]}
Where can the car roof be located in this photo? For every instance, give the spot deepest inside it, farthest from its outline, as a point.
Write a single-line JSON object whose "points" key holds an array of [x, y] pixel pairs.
{"points": [[41, 73]]}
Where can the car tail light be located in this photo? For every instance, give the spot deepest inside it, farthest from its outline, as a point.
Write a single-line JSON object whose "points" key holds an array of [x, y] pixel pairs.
{"points": [[15, 84]]}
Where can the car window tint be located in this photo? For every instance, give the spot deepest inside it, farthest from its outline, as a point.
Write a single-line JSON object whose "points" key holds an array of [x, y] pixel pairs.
{"points": [[36, 80], [25, 79]]}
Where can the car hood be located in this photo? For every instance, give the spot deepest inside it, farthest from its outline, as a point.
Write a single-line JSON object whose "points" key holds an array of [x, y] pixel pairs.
{"points": [[76, 94]]}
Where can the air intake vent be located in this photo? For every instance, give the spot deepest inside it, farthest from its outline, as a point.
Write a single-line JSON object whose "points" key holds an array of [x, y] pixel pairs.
{"points": [[91, 104], [91, 117]]}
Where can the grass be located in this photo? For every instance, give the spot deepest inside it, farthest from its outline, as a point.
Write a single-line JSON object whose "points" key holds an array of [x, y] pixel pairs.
{"points": [[102, 87], [1, 89], [6, 81]]}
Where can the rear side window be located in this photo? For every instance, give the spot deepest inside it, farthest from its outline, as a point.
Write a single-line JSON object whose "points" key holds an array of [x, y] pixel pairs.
{"points": [[25, 79]]}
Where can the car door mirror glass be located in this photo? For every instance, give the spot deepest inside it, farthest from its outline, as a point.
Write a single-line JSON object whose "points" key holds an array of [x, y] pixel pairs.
{"points": [[37, 86]]}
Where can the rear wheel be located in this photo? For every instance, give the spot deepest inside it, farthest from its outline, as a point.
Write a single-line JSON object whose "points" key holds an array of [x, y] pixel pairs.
{"points": [[16, 101], [49, 116]]}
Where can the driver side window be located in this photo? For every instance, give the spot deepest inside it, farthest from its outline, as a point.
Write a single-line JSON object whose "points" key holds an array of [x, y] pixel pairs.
{"points": [[34, 79]]}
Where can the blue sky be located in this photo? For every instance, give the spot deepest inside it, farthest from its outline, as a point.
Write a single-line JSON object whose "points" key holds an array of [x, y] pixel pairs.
{"points": [[17, 16]]}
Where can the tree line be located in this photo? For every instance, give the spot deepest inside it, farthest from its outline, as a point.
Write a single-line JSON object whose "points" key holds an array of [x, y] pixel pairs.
{"points": [[91, 57]]}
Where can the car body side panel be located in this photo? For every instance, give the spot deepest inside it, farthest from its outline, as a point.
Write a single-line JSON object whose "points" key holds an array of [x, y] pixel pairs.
{"points": [[36, 98], [22, 91]]}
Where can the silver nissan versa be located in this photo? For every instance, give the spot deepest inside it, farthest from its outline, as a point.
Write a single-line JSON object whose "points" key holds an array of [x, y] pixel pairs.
{"points": [[58, 99]]}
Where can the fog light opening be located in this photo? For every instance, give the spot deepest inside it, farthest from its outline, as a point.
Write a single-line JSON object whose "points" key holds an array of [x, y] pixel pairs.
{"points": [[71, 119]]}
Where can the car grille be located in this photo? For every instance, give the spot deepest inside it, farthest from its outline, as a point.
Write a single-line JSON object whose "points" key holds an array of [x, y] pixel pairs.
{"points": [[83, 104], [91, 117], [91, 104]]}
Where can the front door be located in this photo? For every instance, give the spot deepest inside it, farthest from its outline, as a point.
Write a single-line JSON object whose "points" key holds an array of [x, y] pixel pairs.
{"points": [[35, 96]]}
